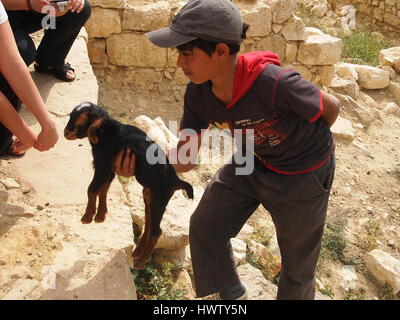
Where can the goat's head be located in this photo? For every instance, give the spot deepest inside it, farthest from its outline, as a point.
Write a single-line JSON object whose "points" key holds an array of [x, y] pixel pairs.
{"points": [[84, 121]]}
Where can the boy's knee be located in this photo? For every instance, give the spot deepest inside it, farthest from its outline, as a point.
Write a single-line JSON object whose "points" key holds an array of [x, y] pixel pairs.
{"points": [[84, 15], [86, 11]]}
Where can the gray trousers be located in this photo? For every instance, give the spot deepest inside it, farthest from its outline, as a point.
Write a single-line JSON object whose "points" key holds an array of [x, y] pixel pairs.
{"points": [[297, 204]]}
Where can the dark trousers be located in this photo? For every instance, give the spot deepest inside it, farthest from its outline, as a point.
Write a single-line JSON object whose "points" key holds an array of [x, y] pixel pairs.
{"points": [[297, 204], [52, 50]]}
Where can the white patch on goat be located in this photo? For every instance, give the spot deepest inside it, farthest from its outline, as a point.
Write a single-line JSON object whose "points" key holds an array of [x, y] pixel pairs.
{"points": [[82, 105]]}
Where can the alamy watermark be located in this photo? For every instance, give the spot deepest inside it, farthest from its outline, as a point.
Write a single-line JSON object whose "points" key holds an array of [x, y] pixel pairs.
{"points": [[237, 147], [348, 19], [50, 11]]}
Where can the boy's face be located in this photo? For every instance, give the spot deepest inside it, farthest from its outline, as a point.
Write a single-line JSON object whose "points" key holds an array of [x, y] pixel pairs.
{"points": [[197, 65]]}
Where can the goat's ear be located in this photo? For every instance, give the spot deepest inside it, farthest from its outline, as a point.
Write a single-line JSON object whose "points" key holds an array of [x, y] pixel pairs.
{"points": [[92, 131]]}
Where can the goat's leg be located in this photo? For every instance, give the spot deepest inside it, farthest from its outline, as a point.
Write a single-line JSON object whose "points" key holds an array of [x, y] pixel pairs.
{"points": [[147, 196], [93, 192], [102, 208], [90, 208], [157, 209]]}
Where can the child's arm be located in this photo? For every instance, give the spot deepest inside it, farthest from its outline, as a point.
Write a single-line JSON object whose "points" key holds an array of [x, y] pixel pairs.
{"points": [[185, 161], [17, 75], [331, 108], [11, 120], [124, 162]]}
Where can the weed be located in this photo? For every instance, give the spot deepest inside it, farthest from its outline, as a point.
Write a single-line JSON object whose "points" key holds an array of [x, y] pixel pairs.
{"points": [[386, 292], [362, 47], [358, 294], [328, 291], [156, 282], [333, 242], [261, 235], [369, 241]]}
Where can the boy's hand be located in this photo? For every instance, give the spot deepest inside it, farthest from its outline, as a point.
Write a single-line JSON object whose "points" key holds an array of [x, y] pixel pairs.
{"points": [[46, 139], [124, 163]]}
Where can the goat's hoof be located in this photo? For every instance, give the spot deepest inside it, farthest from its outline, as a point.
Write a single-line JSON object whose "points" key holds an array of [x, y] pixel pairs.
{"points": [[139, 265], [86, 220], [99, 220]]}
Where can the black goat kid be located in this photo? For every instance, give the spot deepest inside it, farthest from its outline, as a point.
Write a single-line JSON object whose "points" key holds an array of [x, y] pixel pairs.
{"points": [[107, 137]]}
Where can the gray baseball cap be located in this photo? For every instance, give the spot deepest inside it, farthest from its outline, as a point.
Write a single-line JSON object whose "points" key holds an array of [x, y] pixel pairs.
{"points": [[213, 20]]}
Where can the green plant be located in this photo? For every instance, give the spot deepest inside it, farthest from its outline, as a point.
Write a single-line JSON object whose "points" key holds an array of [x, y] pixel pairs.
{"points": [[261, 235], [328, 291], [156, 282], [369, 241], [386, 292], [333, 241], [355, 294], [362, 47]]}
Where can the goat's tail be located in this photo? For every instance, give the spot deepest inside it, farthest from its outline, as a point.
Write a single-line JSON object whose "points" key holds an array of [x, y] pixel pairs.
{"points": [[186, 187]]}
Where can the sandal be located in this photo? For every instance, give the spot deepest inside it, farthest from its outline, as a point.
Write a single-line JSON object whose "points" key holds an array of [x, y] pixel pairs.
{"points": [[59, 73], [9, 150]]}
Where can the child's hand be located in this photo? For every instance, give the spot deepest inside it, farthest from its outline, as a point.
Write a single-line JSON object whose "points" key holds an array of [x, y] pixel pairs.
{"points": [[23, 143], [76, 5], [37, 5], [46, 139]]}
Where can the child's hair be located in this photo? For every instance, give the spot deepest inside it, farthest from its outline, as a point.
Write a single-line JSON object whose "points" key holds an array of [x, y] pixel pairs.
{"points": [[209, 47]]}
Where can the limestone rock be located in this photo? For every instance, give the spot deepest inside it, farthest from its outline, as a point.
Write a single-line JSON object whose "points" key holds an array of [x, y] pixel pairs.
{"points": [[282, 10], [343, 128], [394, 89], [258, 288], [347, 87], [239, 250], [319, 10], [259, 17], [384, 267], [349, 278], [116, 4], [265, 257], [129, 49], [108, 278], [148, 17], [10, 183], [103, 23], [184, 283], [294, 29], [347, 71], [320, 50], [372, 77], [391, 108]]}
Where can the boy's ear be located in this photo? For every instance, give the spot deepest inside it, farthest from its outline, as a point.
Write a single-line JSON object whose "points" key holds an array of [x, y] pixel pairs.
{"points": [[222, 50]]}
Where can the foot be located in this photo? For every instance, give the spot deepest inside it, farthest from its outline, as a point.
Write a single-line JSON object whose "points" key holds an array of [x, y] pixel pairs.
{"points": [[65, 73]]}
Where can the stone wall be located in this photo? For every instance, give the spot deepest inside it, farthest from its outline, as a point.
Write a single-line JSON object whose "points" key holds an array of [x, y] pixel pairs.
{"points": [[122, 57], [380, 15]]}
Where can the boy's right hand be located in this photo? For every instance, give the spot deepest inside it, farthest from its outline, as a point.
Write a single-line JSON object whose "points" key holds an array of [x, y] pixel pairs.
{"points": [[124, 163]]}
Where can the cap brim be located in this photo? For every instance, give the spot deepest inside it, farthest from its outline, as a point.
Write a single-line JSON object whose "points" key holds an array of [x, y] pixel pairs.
{"points": [[168, 38]]}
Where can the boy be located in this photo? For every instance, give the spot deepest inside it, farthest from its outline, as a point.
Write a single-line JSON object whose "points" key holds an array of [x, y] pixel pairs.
{"points": [[294, 164]]}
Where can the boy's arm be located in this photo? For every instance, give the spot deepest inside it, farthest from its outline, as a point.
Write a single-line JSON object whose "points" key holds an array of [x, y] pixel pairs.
{"points": [[331, 108], [185, 161], [124, 162]]}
